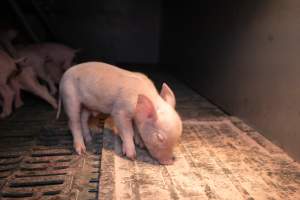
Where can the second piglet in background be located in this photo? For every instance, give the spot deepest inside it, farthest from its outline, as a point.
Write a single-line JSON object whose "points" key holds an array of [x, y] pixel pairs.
{"points": [[56, 54], [130, 98], [7, 68], [49, 61]]}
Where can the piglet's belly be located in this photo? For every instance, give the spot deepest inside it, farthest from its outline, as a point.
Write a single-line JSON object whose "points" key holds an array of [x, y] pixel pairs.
{"points": [[97, 105]]}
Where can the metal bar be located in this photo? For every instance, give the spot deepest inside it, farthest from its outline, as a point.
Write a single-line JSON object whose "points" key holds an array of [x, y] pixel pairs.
{"points": [[16, 8], [43, 19]]}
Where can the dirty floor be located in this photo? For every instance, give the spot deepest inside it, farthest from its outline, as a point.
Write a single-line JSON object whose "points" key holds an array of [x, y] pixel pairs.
{"points": [[219, 157], [37, 160]]}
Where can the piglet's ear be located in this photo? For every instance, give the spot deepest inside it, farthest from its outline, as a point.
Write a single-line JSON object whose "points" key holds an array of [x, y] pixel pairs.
{"points": [[167, 94], [145, 109]]}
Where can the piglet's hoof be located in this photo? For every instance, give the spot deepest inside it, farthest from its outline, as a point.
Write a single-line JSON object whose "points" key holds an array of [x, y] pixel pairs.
{"points": [[80, 148], [129, 153]]}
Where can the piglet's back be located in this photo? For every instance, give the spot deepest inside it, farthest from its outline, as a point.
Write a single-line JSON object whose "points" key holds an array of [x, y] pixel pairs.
{"points": [[103, 87], [100, 69], [110, 84], [107, 77]]}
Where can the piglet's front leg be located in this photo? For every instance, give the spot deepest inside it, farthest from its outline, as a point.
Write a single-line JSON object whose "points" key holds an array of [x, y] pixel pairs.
{"points": [[51, 84], [138, 140], [123, 123], [15, 85], [8, 96]]}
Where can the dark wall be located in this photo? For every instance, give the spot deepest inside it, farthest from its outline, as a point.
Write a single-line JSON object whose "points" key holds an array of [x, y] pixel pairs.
{"points": [[120, 31], [124, 31], [244, 56]]}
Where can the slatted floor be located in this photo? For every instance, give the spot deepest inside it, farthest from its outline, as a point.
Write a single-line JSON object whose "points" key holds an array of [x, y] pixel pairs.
{"points": [[37, 160]]}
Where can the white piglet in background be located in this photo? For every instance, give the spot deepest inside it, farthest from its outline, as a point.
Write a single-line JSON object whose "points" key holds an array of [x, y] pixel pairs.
{"points": [[130, 98]]}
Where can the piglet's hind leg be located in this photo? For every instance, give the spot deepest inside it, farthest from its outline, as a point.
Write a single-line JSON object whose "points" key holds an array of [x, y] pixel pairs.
{"points": [[73, 110], [8, 96], [17, 88], [85, 114], [31, 84]]}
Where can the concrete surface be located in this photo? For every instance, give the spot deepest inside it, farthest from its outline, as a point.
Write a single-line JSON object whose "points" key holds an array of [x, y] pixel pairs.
{"points": [[219, 157]]}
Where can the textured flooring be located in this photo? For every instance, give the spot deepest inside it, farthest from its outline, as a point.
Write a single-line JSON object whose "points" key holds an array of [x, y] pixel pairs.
{"points": [[219, 157], [37, 160]]}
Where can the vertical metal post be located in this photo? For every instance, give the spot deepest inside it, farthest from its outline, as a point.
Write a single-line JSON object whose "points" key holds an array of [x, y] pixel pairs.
{"points": [[43, 19], [23, 20]]}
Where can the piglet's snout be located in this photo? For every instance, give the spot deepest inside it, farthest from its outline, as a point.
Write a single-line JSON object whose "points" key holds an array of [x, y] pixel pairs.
{"points": [[168, 161]]}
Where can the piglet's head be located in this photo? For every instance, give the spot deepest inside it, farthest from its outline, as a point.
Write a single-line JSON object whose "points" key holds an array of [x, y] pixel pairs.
{"points": [[69, 58], [160, 127]]}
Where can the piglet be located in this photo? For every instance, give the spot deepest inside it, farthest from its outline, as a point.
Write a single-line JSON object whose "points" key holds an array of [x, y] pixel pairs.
{"points": [[34, 60], [49, 60], [7, 68], [60, 55], [130, 98], [27, 80], [54, 72]]}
